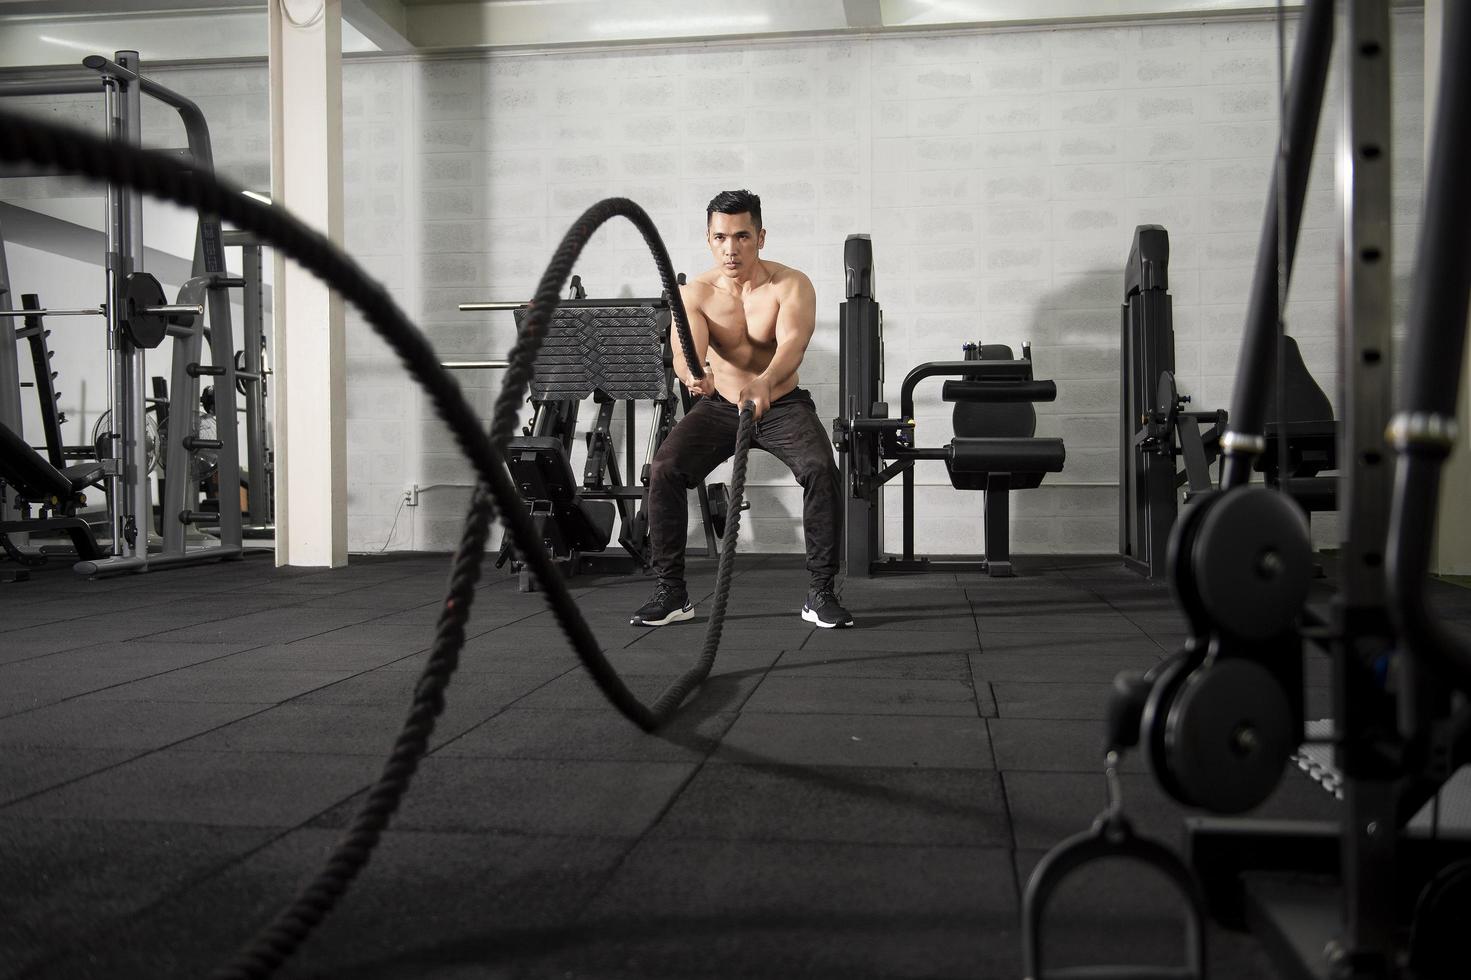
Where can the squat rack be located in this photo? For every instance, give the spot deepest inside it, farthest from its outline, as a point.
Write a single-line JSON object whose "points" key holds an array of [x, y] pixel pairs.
{"points": [[124, 459]]}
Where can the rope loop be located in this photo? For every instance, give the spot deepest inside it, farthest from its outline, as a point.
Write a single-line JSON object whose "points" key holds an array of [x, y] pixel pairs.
{"points": [[29, 140]]}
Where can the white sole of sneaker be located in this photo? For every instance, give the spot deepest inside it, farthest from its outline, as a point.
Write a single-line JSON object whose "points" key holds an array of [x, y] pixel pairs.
{"points": [[810, 615], [678, 616]]}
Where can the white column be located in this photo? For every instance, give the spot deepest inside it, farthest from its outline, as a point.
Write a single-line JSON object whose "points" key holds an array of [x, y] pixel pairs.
{"points": [[1453, 524], [310, 379]]}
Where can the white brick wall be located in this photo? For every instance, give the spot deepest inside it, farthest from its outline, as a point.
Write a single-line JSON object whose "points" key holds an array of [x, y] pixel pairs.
{"points": [[1000, 174]]}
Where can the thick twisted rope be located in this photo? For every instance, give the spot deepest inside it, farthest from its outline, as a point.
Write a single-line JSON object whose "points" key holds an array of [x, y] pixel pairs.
{"points": [[24, 139], [507, 412]]}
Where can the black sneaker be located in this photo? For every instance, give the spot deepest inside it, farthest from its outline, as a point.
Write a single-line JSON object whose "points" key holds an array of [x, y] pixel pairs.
{"points": [[668, 604], [823, 609]]}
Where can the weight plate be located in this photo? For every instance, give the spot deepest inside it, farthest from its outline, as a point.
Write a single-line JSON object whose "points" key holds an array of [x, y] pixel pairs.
{"points": [[1252, 562], [1152, 723], [1180, 544], [719, 508], [140, 291], [1229, 735]]}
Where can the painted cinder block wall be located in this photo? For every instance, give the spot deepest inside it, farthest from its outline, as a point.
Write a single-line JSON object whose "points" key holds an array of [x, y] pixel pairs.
{"points": [[1000, 174]]}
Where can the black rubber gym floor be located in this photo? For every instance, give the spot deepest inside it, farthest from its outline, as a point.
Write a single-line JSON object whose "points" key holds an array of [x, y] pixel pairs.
{"points": [[178, 752]]}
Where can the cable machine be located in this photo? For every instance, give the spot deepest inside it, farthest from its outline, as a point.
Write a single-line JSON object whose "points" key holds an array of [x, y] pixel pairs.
{"points": [[1368, 896]]}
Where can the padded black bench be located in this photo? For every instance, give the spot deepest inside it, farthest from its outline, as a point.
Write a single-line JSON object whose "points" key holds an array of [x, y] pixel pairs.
{"points": [[995, 448], [1311, 433], [31, 479]]}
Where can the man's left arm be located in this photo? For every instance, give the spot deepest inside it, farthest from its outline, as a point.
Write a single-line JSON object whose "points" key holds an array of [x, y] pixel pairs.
{"points": [[795, 322]]}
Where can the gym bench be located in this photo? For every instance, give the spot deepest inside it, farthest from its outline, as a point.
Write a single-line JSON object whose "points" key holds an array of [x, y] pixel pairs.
{"points": [[33, 480]]}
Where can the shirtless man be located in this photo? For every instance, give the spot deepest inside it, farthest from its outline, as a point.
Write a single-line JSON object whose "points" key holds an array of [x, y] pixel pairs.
{"points": [[751, 320]]}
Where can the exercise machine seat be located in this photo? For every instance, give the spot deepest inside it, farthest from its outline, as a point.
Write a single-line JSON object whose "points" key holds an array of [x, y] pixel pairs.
{"points": [[1311, 433], [972, 460], [32, 475], [995, 448], [543, 474]]}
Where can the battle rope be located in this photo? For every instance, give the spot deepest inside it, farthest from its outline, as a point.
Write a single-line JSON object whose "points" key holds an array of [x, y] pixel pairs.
{"points": [[507, 412], [24, 139]]}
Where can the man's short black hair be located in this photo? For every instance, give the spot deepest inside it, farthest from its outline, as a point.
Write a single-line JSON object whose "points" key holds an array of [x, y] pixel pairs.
{"points": [[735, 202]]}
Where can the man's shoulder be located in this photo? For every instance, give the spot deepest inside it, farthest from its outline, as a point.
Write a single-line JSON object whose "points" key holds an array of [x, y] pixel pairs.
{"points": [[786, 278], [696, 292]]}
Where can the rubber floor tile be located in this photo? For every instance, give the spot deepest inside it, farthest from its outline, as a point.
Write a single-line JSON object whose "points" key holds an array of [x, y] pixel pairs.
{"points": [[1040, 643], [84, 722], [720, 693], [857, 740], [144, 656], [752, 909], [280, 625], [830, 661], [1054, 745], [803, 694], [946, 807], [67, 879], [427, 905], [690, 636], [304, 655], [31, 684], [212, 683], [846, 641], [1021, 699], [336, 729], [528, 733], [31, 769], [215, 788], [1083, 624], [35, 641], [1058, 667], [576, 799], [388, 686], [656, 661]]}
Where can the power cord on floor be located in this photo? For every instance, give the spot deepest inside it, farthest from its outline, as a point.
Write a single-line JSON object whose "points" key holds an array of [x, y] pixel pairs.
{"points": [[30, 140]]}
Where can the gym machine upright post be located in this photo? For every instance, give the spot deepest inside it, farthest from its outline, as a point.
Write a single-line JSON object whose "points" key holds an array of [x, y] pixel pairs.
{"points": [[251, 372], [1155, 430], [139, 319]]}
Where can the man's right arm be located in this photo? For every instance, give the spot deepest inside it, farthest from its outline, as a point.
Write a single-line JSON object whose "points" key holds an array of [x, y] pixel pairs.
{"points": [[699, 333]]}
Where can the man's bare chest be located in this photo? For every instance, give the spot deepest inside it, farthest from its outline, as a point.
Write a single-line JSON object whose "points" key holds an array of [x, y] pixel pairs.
{"points": [[734, 322]]}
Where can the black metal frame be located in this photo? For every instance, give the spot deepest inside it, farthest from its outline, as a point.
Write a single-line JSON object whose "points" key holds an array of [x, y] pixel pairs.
{"points": [[1155, 431], [1394, 747], [1353, 899]]}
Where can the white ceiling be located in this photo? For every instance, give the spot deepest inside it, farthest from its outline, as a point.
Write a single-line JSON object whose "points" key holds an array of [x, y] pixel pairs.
{"points": [[56, 32]]}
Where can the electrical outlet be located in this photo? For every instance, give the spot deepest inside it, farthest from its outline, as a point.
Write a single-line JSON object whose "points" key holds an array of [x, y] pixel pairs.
{"points": [[411, 496]]}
